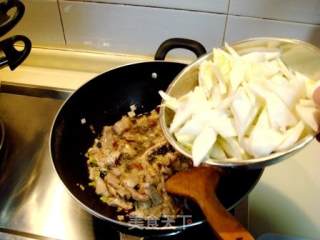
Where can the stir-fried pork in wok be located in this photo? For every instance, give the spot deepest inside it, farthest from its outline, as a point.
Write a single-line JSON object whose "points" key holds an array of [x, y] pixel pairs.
{"points": [[129, 164]]}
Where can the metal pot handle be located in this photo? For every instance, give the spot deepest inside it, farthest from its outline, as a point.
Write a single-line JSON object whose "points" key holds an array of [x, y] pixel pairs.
{"points": [[197, 48], [13, 57], [10, 23]]}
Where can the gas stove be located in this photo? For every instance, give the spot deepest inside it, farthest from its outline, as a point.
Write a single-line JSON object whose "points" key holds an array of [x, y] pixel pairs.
{"points": [[34, 204]]}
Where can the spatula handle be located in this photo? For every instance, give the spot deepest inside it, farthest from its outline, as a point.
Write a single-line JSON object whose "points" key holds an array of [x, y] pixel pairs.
{"points": [[225, 226]]}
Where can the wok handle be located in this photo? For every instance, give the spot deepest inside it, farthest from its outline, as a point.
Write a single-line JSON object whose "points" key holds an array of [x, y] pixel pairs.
{"points": [[173, 43], [13, 57], [5, 18]]}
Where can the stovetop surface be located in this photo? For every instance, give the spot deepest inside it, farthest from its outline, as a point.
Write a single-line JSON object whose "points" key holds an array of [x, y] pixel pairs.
{"points": [[34, 204]]}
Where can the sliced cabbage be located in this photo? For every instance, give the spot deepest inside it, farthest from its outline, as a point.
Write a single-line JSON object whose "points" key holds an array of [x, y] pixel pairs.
{"points": [[216, 97], [232, 148], [284, 69], [217, 152], [169, 101], [237, 75], [182, 114], [263, 139], [261, 57], [291, 136], [280, 116], [221, 81], [245, 106], [206, 77], [233, 53], [260, 72], [310, 84], [195, 102], [309, 115], [191, 129], [287, 92], [210, 78], [202, 145], [223, 61], [185, 138], [225, 103], [219, 121]]}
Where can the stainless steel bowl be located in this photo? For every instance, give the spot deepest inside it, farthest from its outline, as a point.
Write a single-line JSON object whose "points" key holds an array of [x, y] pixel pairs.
{"points": [[298, 55]]}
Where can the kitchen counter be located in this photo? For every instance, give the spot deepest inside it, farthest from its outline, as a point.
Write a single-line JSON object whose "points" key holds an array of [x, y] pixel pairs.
{"points": [[34, 201], [66, 69], [286, 200]]}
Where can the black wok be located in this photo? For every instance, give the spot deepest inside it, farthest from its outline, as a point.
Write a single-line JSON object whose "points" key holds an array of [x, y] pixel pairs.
{"points": [[103, 101]]}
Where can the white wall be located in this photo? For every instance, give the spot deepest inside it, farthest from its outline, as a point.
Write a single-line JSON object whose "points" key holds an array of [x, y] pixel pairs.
{"points": [[138, 26], [41, 23], [136, 29]]}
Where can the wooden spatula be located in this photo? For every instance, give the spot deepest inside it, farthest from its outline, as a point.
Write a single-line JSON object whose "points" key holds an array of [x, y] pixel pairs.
{"points": [[199, 184]]}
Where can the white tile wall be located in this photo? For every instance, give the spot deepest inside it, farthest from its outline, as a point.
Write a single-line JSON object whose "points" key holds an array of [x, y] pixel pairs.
{"points": [[306, 11], [139, 26], [220, 6], [136, 30], [239, 28], [41, 23]]}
